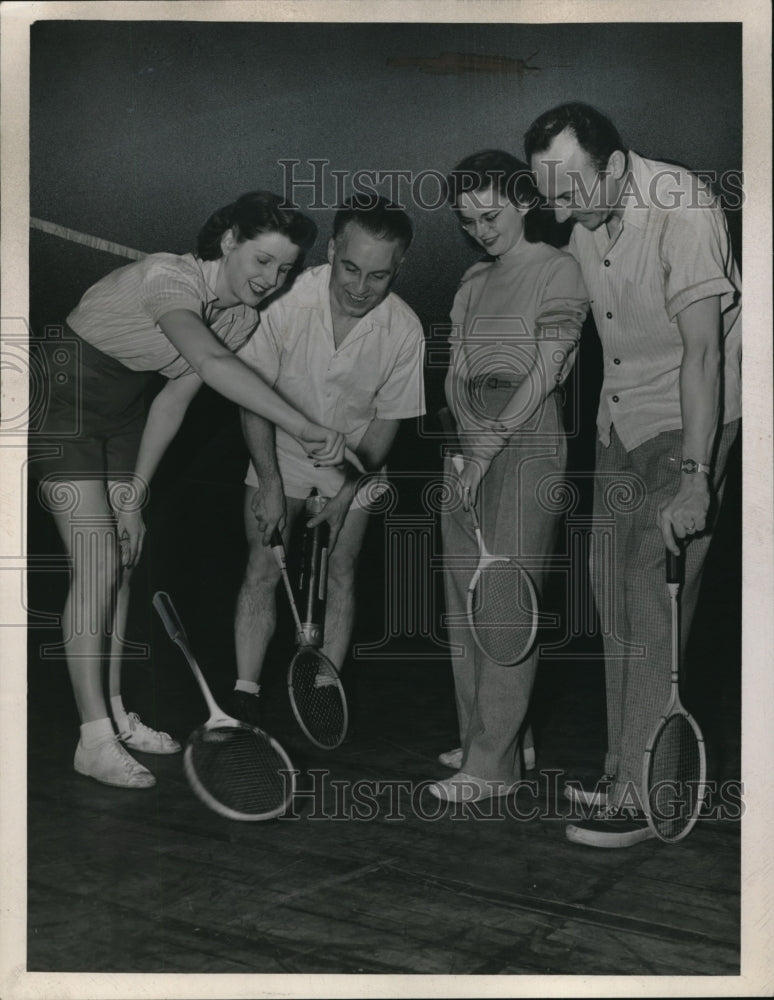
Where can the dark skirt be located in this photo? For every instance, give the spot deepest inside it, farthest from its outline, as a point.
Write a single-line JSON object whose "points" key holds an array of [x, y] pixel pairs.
{"points": [[93, 412]]}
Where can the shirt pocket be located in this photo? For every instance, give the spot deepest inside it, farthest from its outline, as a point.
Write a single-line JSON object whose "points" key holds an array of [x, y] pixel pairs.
{"points": [[354, 408]]}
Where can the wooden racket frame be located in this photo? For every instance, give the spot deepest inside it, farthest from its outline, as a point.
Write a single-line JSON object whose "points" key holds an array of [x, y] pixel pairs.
{"points": [[674, 707], [162, 602], [278, 548], [486, 559]]}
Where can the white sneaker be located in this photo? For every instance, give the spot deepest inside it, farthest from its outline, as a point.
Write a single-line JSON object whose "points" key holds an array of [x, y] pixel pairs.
{"points": [[451, 758], [141, 737], [467, 788], [109, 763]]}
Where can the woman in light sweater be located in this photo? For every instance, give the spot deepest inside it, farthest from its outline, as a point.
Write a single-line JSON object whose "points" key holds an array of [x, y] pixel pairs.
{"points": [[516, 320]]}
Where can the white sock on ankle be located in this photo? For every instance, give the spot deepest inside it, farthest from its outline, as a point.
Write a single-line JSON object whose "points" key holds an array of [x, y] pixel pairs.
{"points": [[95, 732], [249, 687]]}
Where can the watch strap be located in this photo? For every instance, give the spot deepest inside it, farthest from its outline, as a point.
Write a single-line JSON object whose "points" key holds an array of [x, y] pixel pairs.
{"points": [[691, 466]]}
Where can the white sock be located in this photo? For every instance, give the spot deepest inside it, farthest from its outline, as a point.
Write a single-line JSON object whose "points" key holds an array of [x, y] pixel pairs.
{"points": [[249, 687], [119, 712], [95, 732]]}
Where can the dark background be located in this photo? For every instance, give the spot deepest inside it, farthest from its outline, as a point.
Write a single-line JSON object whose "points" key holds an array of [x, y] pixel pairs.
{"points": [[139, 130]]}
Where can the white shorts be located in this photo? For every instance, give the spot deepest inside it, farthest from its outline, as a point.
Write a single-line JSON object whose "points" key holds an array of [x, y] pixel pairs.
{"points": [[298, 482]]}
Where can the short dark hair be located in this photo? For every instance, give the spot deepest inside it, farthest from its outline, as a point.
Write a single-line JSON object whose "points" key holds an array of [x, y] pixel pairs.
{"points": [[510, 176], [251, 214], [595, 133], [379, 217]]}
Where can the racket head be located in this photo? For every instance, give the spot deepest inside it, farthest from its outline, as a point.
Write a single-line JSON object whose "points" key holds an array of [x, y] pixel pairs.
{"points": [[317, 698], [674, 776], [239, 771], [502, 610]]}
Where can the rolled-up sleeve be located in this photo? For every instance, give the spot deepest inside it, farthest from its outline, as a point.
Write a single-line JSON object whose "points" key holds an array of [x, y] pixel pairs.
{"points": [[696, 257]]}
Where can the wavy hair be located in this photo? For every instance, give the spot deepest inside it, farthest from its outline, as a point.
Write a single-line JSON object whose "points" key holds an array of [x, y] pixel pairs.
{"points": [[251, 214]]}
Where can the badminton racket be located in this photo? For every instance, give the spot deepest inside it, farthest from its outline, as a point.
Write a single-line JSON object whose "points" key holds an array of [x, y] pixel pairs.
{"points": [[502, 605], [316, 693], [235, 769], [674, 766]]}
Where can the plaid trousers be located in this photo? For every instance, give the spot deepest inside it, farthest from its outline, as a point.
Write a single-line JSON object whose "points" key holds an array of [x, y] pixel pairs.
{"points": [[628, 576]]}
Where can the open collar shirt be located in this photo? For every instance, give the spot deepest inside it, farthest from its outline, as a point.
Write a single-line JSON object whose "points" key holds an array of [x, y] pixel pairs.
{"points": [[377, 370], [672, 250]]}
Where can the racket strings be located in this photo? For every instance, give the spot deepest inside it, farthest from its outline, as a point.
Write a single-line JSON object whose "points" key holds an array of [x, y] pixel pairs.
{"points": [[318, 698], [240, 769], [675, 777], [502, 611]]}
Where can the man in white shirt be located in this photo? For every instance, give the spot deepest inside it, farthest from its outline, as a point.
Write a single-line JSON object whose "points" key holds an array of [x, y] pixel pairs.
{"points": [[339, 343], [655, 255]]}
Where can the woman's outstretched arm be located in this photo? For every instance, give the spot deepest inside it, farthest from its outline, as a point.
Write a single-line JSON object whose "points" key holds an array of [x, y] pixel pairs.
{"points": [[214, 363]]}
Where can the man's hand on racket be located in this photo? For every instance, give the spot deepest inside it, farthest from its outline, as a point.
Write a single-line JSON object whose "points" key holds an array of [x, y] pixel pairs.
{"points": [[686, 513], [335, 511], [322, 444], [269, 508], [130, 528]]}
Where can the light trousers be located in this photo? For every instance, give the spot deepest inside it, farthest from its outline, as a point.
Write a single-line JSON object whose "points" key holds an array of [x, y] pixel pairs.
{"points": [[516, 520], [628, 567]]}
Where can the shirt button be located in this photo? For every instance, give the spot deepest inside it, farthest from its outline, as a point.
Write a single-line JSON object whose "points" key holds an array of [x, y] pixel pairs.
{"points": [[609, 315], [615, 399], [616, 361], [607, 263]]}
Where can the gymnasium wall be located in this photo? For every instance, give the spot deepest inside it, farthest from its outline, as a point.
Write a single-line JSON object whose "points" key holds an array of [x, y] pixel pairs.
{"points": [[140, 129]]}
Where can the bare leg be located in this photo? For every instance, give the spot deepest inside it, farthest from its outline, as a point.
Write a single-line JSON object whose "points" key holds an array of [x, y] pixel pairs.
{"points": [[256, 610], [340, 607], [87, 530], [85, 522], [135, 734], [119, 631]]}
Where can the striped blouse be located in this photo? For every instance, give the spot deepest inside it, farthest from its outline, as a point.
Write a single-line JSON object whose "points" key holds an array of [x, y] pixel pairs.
{"points": [[119, 315]]}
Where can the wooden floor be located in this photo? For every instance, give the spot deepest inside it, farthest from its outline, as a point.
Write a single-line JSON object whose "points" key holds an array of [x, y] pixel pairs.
{"points": [[165, 886], [369, 874]]}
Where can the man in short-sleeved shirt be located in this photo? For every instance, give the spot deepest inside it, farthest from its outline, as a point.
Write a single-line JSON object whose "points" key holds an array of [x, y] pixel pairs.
{"points": [[655, 255], [340, 346]]}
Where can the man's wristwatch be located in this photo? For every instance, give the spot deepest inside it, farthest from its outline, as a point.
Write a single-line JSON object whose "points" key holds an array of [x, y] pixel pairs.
{"points": [[690, 466]]}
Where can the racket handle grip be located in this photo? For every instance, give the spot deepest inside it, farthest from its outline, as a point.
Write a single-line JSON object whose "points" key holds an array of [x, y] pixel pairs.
{"points": [[314, 572], [674, 567], [278, 548], [162, 602]]}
